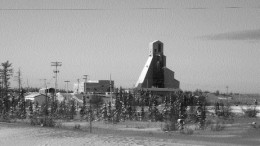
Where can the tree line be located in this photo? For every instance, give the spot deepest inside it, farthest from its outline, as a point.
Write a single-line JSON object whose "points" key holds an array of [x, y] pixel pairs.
{"points": [[139, 105]]}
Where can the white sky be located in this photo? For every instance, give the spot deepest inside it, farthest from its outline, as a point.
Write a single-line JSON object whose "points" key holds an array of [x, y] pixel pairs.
{"points": [[210, 44]]}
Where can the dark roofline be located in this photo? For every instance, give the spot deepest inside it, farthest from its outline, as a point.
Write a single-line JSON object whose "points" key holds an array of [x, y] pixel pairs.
{"points": [[161, 89]]}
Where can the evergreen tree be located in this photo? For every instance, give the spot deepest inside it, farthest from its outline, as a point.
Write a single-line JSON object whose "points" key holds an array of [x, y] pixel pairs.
{"points": [[142, 113], [104, 112], [13, 106], [96, 102], [90, 117], [130, 106], [174, 112], [109, 112], [165, 111], [6, 73], [31, 109], [22, 106], [72, 109], [118, 106], [37, 110], [150, 107], [61, 109], [83, 108]]}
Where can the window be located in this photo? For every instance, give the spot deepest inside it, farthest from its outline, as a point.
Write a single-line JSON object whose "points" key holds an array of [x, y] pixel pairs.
{"points": [[159, 47]]}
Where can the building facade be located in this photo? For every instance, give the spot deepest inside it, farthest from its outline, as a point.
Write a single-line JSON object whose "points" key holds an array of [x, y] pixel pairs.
{"points": [[155, 74], [100, 86]]}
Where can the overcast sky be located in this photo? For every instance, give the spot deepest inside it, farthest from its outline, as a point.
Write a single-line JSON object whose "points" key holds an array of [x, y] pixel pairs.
{"points": [[209, 44]]}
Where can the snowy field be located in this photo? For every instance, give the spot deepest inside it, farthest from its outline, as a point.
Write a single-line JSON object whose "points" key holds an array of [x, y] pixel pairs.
{"points": [[38, 136], [235, 109], [24, 135]]}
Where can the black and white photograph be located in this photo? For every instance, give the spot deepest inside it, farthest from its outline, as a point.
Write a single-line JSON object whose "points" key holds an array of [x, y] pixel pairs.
{"points": [[129, 72]]}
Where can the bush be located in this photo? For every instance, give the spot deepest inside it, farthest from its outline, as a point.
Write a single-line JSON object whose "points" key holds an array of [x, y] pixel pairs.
{"points": [[187, 131], [43, 121], [49, 122], [58, 124], [191, 115], [250, 112], [218, 126], [77, 126], [224, 110], [208, 123], [169, 126]]}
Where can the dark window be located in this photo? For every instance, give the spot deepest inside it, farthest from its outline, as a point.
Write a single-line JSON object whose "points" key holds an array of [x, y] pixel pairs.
{"points": [[159, 47]]}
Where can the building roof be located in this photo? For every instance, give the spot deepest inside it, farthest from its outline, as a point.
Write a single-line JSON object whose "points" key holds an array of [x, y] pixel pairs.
{"points": [[144, 71], [32, 96], [161, 89]]}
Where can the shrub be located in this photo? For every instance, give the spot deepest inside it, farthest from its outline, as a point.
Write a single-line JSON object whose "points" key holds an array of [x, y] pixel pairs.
{"points": [[250, 112], [208, 123], [77, 126], [191, 115], [58, 124], [187, 131], [49, 122], [218, 126], [169, 126], [43, 121]]}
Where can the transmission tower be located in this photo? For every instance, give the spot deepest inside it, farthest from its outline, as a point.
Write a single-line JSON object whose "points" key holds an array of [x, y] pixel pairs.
{"points": [[56, 71]]}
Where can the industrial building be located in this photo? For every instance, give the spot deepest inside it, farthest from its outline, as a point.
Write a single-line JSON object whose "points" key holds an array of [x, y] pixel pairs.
{"points": [[100, 86], [155, 74], [78, 87]]}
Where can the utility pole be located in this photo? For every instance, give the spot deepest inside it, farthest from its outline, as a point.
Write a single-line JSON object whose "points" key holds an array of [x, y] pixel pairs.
{"points": [[27, 86], [19, 79], [56, 71], [78, 87], [86, 79], [67, 85], [110, 86], [45, 83], [227, 90]]}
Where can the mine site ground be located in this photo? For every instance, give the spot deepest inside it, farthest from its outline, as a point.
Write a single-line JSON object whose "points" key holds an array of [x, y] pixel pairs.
{"points": [[239, 132]]}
